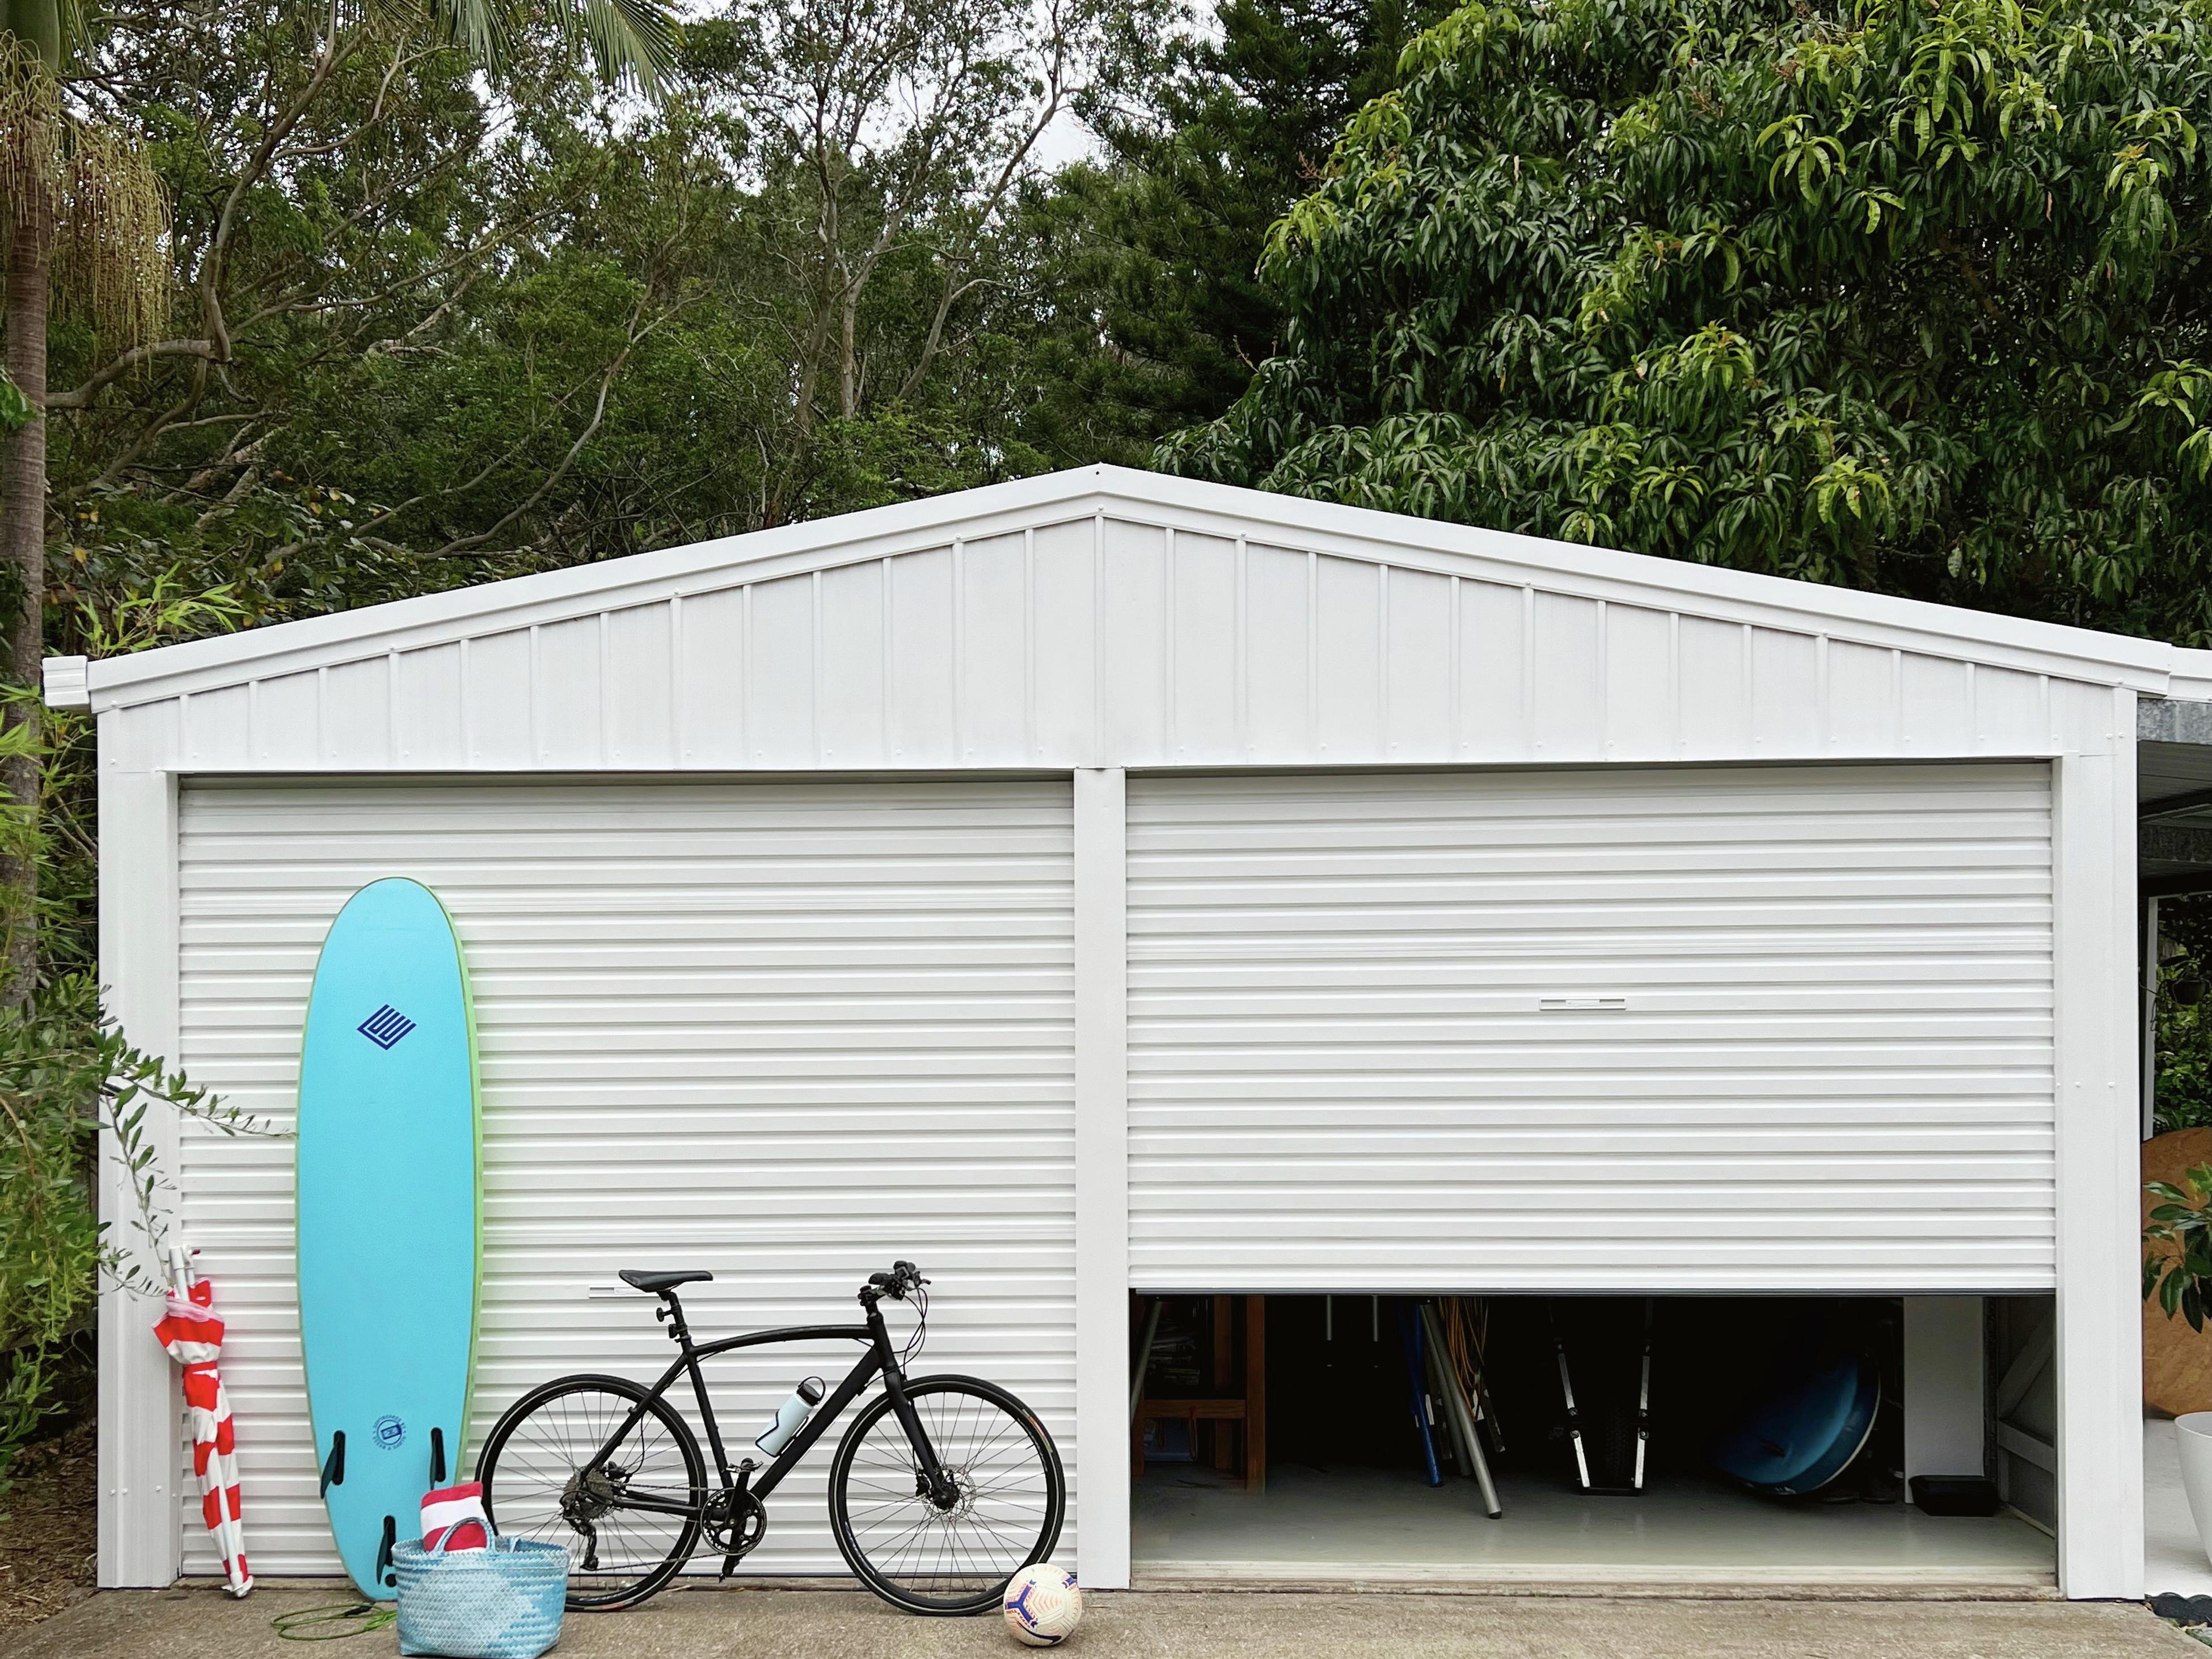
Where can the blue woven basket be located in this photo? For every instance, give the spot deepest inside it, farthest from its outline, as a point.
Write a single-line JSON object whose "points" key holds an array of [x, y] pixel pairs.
{"points": [[503, 1603]]}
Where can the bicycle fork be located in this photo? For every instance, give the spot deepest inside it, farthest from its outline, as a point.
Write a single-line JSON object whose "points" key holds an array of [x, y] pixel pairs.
{"points": [[931, 1480]]}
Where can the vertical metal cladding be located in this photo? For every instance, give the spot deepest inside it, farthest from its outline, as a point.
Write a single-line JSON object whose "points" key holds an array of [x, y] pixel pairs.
{"points": [[1099, 641], [787, 1032], [1755, 1028]]}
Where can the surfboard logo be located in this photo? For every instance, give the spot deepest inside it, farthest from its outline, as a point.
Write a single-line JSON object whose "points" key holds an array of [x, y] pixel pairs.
{"points": [[385, 1026], [391, 1433]]}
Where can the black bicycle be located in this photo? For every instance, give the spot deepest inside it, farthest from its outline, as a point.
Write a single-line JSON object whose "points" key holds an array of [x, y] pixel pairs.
{"points": [[943, 1488]]}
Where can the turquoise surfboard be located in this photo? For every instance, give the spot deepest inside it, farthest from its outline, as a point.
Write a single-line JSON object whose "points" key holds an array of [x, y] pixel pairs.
{"points": [[389, 1213]]}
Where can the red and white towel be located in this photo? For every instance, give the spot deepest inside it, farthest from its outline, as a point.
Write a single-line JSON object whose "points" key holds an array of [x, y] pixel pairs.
{"points": [[193, 1336], [461, 1508]]}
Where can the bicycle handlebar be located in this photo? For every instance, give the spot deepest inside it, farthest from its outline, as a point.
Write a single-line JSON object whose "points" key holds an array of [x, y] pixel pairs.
{"points": [[904, 1277]]}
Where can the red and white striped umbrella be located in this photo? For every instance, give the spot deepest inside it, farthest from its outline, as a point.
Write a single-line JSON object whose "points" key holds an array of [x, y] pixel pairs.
{"points": [[193, 1336]]}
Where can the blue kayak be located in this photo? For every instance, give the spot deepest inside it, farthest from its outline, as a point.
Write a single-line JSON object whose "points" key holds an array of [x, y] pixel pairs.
{"points": [[1805, 1432]]}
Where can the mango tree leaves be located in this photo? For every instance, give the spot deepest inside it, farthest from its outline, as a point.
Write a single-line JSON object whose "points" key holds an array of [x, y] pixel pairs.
{"points": [[1902, 295]]}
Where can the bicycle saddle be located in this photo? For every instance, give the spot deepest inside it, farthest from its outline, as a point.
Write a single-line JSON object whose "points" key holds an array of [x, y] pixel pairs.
{"points": [[653, 1284]]}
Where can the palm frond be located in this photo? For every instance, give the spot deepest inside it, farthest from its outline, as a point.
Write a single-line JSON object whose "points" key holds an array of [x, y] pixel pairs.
{"points": [[630, 41], [483, 28]]}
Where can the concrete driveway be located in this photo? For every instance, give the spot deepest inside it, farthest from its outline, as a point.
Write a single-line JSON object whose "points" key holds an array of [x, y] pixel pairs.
{"points": [[710, 1624]]}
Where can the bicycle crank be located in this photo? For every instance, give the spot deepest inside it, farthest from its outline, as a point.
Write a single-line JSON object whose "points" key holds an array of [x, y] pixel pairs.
{"points": [[735, 1523]]}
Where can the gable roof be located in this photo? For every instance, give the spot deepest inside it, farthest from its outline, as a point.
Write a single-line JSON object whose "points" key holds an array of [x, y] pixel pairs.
{"points": [[1125, 495]]}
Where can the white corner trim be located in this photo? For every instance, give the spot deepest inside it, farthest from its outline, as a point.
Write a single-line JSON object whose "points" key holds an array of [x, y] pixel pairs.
{"points": [[65, 684], [1102, 1178], [2100, 1324], [140, 1459]]}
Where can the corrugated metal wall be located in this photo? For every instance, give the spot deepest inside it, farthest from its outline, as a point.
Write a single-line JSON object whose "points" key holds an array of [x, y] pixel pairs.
{"points": [[785, 1032], [1362, 1055]]}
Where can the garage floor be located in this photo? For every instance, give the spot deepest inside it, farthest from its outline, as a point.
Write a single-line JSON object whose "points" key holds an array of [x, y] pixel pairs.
{"points": [[1373, 1525]]}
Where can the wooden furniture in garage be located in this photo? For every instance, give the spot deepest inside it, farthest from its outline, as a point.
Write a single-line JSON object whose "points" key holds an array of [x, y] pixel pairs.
{"points": [[1241, 1416]]}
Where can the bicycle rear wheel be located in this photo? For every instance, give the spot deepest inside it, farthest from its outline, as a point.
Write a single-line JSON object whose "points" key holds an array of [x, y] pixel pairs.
{"points": [[536, 1485], [926, 1558]]}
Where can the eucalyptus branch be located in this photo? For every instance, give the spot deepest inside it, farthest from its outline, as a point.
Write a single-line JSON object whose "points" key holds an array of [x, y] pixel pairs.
{"points": [[368, 123], [81, 396], [215, 258], [465, 543], [469, 255], [152, 430], [241, 453]]}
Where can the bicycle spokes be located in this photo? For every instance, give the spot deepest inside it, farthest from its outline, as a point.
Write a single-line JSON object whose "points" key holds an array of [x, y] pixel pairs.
{"points": [[946, 1544], [629, 1517]]}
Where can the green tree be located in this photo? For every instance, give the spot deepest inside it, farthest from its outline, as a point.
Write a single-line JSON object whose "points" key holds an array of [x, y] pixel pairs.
{"points": [[76, 186], [1897, 294], [894, 138], [75, 182], [1150, 251], [1244, 129], [2183, 1092], [321, 158]]}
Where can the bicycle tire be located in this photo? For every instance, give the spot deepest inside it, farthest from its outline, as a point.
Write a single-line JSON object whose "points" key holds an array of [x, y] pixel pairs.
{"points": [[564, 1429], [1004, 1493]]}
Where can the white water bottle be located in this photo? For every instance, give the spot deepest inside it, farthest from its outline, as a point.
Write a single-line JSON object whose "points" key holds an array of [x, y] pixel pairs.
{"points": [[791, 1416]]}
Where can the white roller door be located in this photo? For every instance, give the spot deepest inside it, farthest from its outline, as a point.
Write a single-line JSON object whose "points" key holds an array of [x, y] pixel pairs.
{"points": [[786, 1032], [1676, 1027]]}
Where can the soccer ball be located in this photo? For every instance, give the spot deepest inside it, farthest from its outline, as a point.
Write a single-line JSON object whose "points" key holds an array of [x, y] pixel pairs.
{"points": [[1042, 1605]]}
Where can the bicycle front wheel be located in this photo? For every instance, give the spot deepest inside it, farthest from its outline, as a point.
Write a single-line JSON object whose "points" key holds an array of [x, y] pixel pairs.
{"points": [[630, 1518], [930, 1557]]}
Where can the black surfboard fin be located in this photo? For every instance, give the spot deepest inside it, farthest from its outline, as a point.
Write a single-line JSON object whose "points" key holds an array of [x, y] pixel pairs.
{"points": [[384, 1574], [334, 1467], [437, 1457]]}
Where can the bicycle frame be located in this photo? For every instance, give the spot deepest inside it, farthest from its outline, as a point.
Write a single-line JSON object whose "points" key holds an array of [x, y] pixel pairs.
{"points": [[881, 1357]]}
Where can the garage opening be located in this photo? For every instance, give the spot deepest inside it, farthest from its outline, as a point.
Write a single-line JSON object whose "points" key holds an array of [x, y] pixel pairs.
{"points": [[1721, 1441]]}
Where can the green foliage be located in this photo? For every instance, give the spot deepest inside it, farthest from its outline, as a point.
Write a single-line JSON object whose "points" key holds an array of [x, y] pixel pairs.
{"points": [[436, 337], [1893, 295], [2181, 1278], [630, 41], [15, 408], [2184, 1090], [67, 1075], [2183, 1095], [1151, 251]]}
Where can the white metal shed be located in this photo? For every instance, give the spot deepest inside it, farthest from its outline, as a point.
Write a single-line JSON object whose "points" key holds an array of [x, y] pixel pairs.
{"points": [[1120, 882]]}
